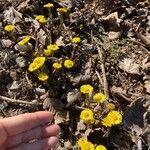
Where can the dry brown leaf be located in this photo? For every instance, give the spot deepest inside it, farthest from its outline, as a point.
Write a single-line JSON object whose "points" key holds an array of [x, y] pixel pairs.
{"points": [[66, 3], [73, 96], [147, 86], [60, 41], [41, 35], [114, 35], [12, 16], [128, 65], [134, 116], [113, 21]]}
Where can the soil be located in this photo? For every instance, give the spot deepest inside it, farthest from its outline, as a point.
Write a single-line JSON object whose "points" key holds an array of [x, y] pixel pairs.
{"points": [[113, 56]]}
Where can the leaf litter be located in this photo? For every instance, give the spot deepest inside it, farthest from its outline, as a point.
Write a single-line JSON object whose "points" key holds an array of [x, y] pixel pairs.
{"points": [[117, 63]]}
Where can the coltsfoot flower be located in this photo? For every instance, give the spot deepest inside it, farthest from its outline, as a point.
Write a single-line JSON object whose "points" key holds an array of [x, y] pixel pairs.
{"points": [[25, 40], [87, 116], [99, 97], [43, 76], [86, 89], [40, 61], [85, 145], [62, 10], [113, 118], [110, 106], [33, 67], [100, 147], [37, 63], [9, 28], [53, 47], [41, 19], [76, 40], [57, 65], [48, 52], [49, 5], [68, 63]]}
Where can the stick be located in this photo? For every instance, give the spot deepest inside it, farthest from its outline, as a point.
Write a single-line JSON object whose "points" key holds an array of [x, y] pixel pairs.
{"points": [[106, 91], [18, 101]]}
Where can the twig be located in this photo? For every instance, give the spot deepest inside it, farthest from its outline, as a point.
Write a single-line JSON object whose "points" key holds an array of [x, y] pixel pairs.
{"points": [[26, 76], [18, 101], [99, 77], [106, 91]]}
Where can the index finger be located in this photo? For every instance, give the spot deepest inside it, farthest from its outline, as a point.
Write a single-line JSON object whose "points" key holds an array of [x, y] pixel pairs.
{"points": [[25, 122]]}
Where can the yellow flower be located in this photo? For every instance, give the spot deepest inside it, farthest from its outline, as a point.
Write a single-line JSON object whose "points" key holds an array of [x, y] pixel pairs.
{"points": [[110, 106], [100, 147], [49, 5], [68, 63], [9, 28], [62, 10], [113, 118], [43, 76], [57, 66], [25, 40], [33, 67], [53, 47], [76, 40], [86, 89], [48, 52], [99, 97], [87, 116], [39, 61], [85, 145], [41, 19]]}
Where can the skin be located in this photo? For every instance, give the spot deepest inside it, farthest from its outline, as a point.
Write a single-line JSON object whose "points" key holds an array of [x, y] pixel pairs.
{"points": [[29, 131]]}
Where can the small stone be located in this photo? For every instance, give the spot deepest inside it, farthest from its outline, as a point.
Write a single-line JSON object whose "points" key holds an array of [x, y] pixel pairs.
{"points": [[21, 62]]}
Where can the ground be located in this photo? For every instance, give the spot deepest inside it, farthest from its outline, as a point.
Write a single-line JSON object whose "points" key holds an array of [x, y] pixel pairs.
{"points": [[112, 56]]}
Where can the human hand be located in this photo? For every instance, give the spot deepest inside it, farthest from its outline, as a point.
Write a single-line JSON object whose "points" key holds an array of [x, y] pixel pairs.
{"points": [[16, 133]]}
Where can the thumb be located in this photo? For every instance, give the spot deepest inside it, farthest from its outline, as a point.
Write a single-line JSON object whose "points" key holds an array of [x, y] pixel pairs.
{"points": [[3, 134]]}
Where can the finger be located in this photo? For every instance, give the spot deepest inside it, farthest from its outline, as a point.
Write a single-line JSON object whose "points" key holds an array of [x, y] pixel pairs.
{"points": [[43, 144], [3, 134], [24, 122], [36, 133]]}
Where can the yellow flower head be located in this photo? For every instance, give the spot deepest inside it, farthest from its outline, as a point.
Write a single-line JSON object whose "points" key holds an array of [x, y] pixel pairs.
{"points": [[113, 118], [99, 97], [43, 76], [68, 63], [33, 67], [41, 19], [9, 28], [48, 52], [85, 145], [39, 61], [76, 40], [110, 106], [100, 147], [62, 10], [86, 89], [53, 47], [49, 5], [87, 116], [25, 40], [57, 65]]}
